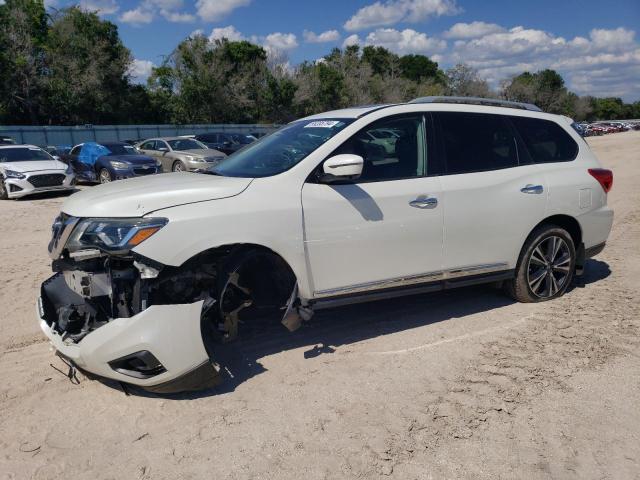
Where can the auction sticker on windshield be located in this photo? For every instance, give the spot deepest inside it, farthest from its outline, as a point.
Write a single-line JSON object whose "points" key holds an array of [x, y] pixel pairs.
{"points": [[322, 124]]}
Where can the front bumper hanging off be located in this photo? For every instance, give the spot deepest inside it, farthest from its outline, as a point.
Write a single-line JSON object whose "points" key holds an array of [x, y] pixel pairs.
{"points": [[159, 349]]}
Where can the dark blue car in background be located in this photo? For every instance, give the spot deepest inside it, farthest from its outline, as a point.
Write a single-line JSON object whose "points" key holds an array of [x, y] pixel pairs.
{"points": [[109, 161]]}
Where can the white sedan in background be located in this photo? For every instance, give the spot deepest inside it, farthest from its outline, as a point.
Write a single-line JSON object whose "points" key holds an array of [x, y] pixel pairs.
{"points": [[27, 169]]}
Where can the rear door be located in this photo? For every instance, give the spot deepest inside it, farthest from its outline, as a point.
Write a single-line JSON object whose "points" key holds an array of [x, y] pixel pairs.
{"points": [[493, 195]]}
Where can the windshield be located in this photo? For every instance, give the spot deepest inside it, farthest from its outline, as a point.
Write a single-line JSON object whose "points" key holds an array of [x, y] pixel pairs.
{"points": [[186, 144], [281, 150], [116, 149], [22, 154]]}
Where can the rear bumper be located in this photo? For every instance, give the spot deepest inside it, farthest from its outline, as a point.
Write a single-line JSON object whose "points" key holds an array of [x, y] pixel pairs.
{"points": [[170, 333], [17, 188], [596, 226]]}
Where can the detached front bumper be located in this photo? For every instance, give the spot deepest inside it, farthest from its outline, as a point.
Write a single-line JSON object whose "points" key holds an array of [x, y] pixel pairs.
{"points": [[38, 182], [159, 349]]}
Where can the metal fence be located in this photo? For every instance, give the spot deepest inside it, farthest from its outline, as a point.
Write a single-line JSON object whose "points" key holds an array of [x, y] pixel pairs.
{"points": [[54, 135]]}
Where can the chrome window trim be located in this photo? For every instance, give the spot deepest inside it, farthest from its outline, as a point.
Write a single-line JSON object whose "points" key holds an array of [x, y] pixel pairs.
{"points": [[414, 279]]}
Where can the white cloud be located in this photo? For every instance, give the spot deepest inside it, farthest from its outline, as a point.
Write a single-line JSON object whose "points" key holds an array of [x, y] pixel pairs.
{"points": [[605, 64], [140, 70], [147, 11], [102, 7], [611, 40], [230, 33], [213, 10], [178, 17], [394, 11], [137, 16], [405, 41], [472, 30], [351, 40], [328, 36], [281, 41]]}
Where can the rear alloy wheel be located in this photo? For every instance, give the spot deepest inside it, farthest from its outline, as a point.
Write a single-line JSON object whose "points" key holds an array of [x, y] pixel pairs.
{"points": [[545, 267], [4, 194], [104, 176], [179, 167]]}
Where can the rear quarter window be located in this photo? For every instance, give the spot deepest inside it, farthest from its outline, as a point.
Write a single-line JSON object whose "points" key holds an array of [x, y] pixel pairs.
{"points": [[545, 140]]}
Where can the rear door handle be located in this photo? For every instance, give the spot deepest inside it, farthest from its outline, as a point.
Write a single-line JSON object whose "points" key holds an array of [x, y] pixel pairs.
{"points": [[536, 189], [424, 202]]}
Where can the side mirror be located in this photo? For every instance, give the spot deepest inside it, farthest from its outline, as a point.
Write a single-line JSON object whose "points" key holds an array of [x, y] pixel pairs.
{"points": [[56, 157], [340, 168]]}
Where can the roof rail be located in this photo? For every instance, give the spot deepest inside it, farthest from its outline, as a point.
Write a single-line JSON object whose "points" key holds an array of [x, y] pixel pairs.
{"points": [[493, 102]]}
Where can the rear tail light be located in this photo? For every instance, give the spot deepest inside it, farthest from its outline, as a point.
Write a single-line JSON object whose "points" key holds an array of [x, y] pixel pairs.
{"points": [[604, 177]]}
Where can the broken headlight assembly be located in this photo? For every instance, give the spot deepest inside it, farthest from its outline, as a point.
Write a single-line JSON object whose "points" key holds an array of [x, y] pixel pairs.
{"points": [[115, 236]]}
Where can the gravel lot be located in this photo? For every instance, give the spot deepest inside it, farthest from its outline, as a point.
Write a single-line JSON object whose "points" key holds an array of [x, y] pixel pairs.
{"points": [[465, 384]]}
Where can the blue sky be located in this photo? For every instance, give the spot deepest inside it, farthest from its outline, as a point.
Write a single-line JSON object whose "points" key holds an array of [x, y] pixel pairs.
{"points": [[594, 44]]}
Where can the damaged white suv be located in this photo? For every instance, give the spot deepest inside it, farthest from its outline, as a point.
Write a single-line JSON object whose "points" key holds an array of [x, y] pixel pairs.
{"points": [[342, 207]]}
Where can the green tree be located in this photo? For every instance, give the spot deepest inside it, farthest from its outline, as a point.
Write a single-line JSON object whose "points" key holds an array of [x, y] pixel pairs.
{"points": [[464, 81], [23, 32]]}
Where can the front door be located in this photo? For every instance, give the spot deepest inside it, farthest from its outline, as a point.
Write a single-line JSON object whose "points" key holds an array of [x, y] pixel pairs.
{"points": [[384, 230]]}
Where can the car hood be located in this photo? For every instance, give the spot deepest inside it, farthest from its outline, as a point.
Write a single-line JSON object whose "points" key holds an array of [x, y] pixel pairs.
{"points": [[132, 159], [136, 197], [24, 167], [203, 153]]}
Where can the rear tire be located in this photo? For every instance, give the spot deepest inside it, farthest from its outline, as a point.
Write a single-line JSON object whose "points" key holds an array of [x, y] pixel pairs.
{"points": [[546, 266]]}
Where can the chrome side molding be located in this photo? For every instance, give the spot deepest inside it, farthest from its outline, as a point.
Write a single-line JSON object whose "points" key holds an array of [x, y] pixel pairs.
{"points": [[414, 279]]}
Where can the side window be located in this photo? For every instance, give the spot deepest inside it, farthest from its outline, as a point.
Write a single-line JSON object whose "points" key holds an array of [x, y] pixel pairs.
{"points": [[392, 149], [475, 142], [161, 144], [148, 145], [545, 140]]}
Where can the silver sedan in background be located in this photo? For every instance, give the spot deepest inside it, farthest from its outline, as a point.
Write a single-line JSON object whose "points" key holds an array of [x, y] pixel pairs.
{"points": [[179, 154]]}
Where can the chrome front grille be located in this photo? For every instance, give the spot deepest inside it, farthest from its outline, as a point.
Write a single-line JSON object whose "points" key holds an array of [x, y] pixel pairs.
{"points": [[46, 180]]}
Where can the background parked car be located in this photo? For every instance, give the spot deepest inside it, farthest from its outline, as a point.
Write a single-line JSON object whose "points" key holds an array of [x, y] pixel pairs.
{"points": [[105, 162], [226, 142], [27, 169], [179, 154], [58, 150]]}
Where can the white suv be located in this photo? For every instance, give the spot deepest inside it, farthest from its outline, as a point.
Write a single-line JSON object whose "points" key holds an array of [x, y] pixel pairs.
{"points": [[346, 206]]}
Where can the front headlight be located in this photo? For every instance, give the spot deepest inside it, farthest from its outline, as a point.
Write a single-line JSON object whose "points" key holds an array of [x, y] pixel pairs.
{"points": [[114, 235], [12, 174], [116, 164]]}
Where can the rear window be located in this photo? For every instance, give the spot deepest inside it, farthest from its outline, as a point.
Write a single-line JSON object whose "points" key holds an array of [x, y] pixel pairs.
{"points": [[474, 142], [545, 140]]}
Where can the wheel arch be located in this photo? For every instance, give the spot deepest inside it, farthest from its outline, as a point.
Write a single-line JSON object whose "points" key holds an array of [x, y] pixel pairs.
{"points": [[569, 223]]}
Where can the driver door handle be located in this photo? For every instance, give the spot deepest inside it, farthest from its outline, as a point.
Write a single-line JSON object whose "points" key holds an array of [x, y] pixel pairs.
{"points": [[424, 202]]}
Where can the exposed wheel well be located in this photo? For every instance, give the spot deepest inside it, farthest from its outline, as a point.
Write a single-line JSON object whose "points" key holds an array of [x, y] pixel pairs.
{"points": [[570, 224]]}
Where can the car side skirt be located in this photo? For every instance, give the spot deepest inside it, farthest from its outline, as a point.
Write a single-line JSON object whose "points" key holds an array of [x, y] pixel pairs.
{"points": [[412, 289]]}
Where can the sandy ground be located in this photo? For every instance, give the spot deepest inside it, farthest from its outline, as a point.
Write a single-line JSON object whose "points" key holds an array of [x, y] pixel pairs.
{"points": [[465, 384]]}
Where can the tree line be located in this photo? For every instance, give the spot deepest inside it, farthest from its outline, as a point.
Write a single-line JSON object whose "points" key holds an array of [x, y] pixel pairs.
{"points": [[70, 67]]}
